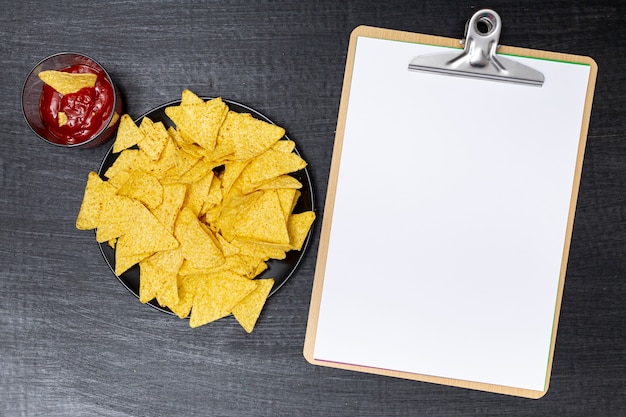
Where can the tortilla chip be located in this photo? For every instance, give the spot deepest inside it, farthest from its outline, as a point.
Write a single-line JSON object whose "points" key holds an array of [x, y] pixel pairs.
{"points": [[263, 220], [149, 281], [143, 187], [189, 97], [284, 145], [199, 193], [186, 290], [298, 226], [155, 138], [61, 118], [146, 232], [114, 215], [230, 212], [250, 136], [158, 277], [259, 251], [214, 197], [128, 134], [67, 83], [125, 255], [286, 196], [247, 311], [196, 172], [176, 136], [283, 181], [231, 173], [119, 172], [165, 168], [216, 295], [89, 212], [173, 199], [199, 123], [198, 246], [270, 164]]}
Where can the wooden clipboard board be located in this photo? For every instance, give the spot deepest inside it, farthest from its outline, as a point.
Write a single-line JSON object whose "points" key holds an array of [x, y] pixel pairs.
{"points": [[441, 271]]}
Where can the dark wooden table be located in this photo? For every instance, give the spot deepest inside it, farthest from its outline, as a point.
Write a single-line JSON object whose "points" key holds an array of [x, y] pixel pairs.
{"points": [[73, 341]]}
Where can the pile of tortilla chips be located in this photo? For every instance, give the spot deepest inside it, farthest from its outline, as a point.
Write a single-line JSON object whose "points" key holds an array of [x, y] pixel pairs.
{"points": [[200, 208]]}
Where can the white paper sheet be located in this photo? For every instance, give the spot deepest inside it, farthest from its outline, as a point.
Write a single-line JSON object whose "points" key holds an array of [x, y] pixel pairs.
{"points": [[450, 218]]}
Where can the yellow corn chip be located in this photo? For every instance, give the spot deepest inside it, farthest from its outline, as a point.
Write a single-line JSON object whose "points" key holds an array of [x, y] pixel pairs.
{"points": [[199, 123], [185, 161], [198, 246], [286, 197], [270, 164], [176, 136], [283, 181], [215, 195], [114, 215], [216, 295], [193, 149], [262, 266], [125, 255], [298, 226], [62, 118], [228, 249], [230, 211], [158, 277], [168, 292], [149, 281], [67, 83], [143, 236], [155, 139], [250, 136], [232, 171], [189, 97], [186, 290], [247, 311], [263, 220], [168, 260], [123, 163], [93, 200], [222, 153], [146, 232], [166, 164], [128, 161], [143, 187], [128, 134], [173, 199], [284, 146], [259, 251], [196, 172], [199, 193]]}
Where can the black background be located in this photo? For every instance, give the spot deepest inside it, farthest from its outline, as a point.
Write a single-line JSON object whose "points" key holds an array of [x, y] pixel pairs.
{"points": [[73, 341]]}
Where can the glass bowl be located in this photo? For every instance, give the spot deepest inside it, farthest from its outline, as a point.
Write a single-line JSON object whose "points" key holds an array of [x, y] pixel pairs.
{"points": [[41, 104]]}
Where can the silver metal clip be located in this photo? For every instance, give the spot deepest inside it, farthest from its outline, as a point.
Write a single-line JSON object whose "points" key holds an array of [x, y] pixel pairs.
{"points": [[479, 59]]}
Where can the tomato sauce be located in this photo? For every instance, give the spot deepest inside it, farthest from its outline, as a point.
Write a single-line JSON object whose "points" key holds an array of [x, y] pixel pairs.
{"points": [[88, 110]]}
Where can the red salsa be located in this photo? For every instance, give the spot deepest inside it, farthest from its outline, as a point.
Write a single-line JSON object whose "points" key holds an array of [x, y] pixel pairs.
{"points": [[88, 110]]}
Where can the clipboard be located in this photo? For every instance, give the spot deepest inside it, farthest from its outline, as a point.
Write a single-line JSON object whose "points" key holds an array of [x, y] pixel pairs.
{"points": [[450, 208]]}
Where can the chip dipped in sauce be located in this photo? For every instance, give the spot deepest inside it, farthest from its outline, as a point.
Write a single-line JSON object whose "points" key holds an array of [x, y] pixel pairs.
{"points": [[77, 116]]}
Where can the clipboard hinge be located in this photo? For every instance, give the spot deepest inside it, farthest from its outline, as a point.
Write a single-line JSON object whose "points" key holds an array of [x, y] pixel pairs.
{"points": [[479, 59]]}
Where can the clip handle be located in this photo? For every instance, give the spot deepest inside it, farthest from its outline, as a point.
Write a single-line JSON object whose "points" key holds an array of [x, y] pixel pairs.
{"points": [[482, 37], [479, 59]]}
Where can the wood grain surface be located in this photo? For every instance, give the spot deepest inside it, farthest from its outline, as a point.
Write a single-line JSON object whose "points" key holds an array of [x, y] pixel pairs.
{"points": [[74, 342]]}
